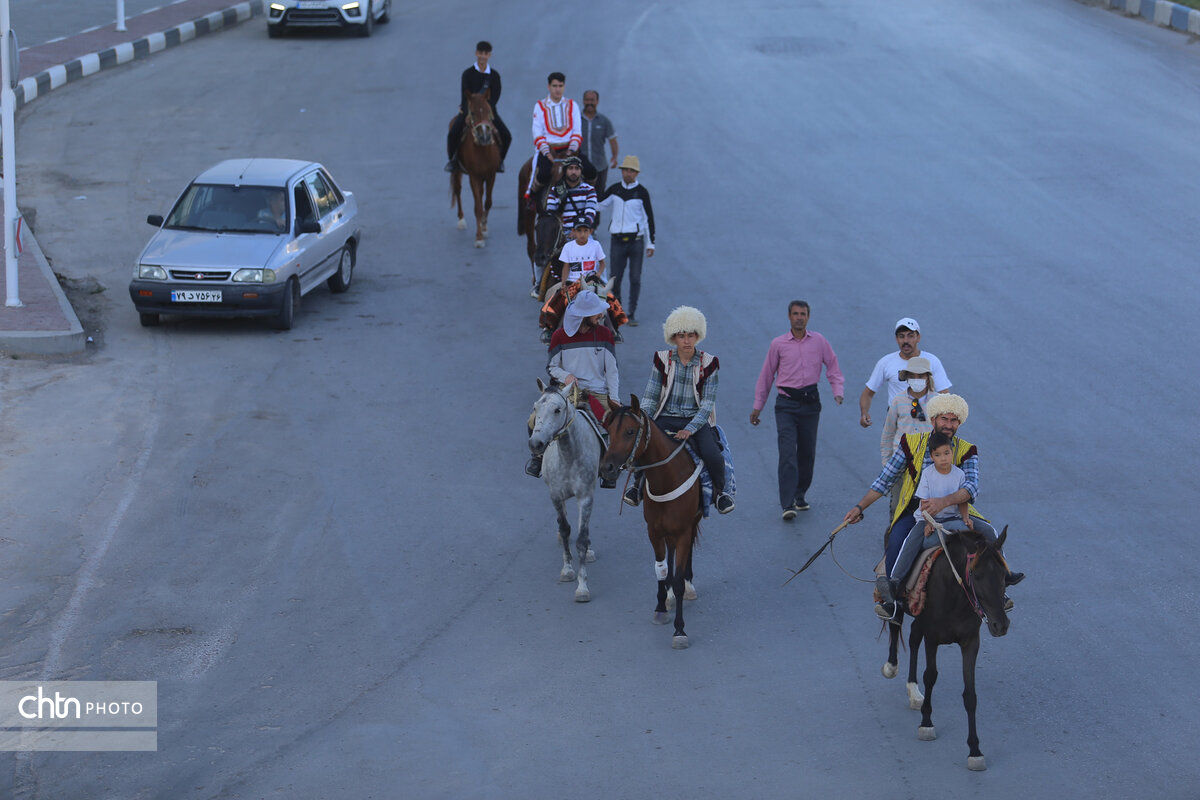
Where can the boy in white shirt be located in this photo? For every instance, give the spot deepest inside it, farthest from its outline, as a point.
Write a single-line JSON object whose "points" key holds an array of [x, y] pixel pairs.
{"points": [[944, 479], [584, 256]]}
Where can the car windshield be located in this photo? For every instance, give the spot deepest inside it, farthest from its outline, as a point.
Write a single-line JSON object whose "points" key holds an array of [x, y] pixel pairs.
{"points": [[231, 209]]}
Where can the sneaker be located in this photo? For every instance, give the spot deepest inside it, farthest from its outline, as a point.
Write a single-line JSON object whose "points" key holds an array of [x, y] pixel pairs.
{"points": [[449, 166], [545, 336], [789, 514], [802, 505], [1013, 578], [886, 610], [533, 468], [617, 337], [633, 323], [534, 293], [632, 496], [724, 503], [501, 167], [1008, 603]]}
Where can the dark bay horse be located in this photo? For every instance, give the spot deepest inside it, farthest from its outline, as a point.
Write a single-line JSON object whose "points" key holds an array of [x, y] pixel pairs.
{"points": [[479, 156], [952, 615], [671, 505], [537, 226]]}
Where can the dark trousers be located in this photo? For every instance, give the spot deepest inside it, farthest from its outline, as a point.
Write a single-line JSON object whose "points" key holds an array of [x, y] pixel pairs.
{"points": [[796, 429], [544, 167], [454, 137], [707, 445], [626, 251]]}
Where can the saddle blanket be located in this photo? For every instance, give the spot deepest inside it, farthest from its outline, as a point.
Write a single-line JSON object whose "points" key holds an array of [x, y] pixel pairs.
{"points": [[918, 576]]}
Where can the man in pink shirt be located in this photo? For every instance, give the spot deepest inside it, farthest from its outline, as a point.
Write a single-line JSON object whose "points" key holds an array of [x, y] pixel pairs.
{"points": [[793, 364]]}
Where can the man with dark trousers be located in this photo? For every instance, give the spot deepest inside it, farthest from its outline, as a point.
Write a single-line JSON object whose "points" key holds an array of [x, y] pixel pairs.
{"points": [[793, 364], [475, 79]]}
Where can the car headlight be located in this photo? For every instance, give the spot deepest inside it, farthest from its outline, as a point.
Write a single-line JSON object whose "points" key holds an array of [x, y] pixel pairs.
{"points": [[278, 7], [151, 273], [353, 9], [254, 275]]}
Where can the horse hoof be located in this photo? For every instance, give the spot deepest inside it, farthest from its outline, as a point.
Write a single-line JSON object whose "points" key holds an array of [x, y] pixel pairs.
{"points": [[582, 595], [670, 599], [479, 244], [689, 591], [661, 618], [927, 734], [976, 763], [462, 225], [591, 556], [566, 575], [889, 670], [679, 643]]}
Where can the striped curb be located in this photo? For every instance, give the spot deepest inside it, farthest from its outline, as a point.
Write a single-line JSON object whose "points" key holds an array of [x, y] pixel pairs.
{"points": [[1161, 12], [35, 86]]}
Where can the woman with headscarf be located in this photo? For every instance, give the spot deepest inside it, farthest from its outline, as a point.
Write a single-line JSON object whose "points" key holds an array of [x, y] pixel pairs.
{"points": [[681, 395]]}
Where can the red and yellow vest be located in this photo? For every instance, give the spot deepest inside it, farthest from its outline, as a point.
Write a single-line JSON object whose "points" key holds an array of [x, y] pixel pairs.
{"points": [[914, 446]]}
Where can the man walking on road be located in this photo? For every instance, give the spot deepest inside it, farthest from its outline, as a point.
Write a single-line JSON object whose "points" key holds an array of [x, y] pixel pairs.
{"points": [[887, 369], [793, 364], [632, 231], [597, 129]]}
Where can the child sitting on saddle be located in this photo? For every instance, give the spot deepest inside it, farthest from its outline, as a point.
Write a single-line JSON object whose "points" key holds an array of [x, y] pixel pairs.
{"points": [[581, 266], [582, 353]]}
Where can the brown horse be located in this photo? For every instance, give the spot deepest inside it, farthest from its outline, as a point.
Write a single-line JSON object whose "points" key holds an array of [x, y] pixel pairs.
{"points": [[952, 614], [671, 505], [538, 227], [479, 157]]}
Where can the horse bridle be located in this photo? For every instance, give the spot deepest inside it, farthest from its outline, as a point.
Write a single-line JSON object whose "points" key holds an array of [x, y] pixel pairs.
{"points": [[644, 426], [475, 126], [967, 586], [562, 431]]}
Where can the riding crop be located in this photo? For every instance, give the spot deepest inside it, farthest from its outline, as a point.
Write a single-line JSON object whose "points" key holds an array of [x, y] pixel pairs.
{"points": [[815, 555]]}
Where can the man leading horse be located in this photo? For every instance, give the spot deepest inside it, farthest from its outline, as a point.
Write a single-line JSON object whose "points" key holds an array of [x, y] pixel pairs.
{"points": [[911, 457]]}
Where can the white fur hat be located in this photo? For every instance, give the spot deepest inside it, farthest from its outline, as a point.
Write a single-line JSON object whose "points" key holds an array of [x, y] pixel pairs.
{"points": [[947, 404], [685, 319]]}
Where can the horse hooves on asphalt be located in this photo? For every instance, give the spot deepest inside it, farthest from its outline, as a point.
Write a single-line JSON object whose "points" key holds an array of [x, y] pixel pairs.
{"points": [[661, 618], [462, 224], [689, 591], [927, 734], [915, 698], [591, 556], [566, 575], [976, 763], [889, 670], [479, 243], [679, 643], [582, 595]]}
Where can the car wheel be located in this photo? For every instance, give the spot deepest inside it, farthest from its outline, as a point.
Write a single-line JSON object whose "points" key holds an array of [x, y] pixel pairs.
{"points": [[148, 320], [340, 280], [368, 24], [275, 31], [287, 306], [387, 11]]}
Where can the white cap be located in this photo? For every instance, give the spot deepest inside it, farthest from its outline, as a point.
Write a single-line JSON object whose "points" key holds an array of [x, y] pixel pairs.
{"points": [[907, 322]]}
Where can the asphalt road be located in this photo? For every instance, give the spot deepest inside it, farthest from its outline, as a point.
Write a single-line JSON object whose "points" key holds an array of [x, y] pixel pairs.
{"points": [[38, 21], [321, 544]]}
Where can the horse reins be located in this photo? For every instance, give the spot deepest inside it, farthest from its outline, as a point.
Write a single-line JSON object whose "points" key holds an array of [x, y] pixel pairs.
{"points": [[644, 427], [971, 595]]}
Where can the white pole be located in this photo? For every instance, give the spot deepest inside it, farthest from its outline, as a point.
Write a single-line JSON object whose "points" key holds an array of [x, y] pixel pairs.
{"points": [[121, 15], [8, 105]]}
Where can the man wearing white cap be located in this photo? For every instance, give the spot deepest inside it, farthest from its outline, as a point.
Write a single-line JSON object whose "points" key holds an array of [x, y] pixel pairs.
{"points": [[583, 350], [632, 231], [887, 369]]}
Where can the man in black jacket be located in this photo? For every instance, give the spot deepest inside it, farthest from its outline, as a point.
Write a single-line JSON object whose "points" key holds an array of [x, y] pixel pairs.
{"points": [[476, 78]]}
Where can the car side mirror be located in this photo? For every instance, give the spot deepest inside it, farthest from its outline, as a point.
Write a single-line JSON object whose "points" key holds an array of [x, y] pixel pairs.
{"points": [[309, 226], [155, 219]]}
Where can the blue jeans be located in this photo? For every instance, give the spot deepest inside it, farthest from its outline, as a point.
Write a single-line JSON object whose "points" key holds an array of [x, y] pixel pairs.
{"points": [[796, 430], [625, 251], [907, 539]]}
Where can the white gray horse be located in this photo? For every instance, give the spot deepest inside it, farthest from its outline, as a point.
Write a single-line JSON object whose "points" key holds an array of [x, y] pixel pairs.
{"points": [[570, 468]]}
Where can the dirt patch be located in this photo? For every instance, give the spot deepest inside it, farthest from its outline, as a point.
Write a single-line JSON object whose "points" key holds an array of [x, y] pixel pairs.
{"points": [[89, 298]]}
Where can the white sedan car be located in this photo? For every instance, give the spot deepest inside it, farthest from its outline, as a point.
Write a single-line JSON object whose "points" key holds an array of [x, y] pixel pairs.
{"points": [[360, 15], [247, 238]]}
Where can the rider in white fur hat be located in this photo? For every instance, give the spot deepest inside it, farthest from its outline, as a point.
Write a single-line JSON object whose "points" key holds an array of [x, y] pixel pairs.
{"points": [[681, 396]]}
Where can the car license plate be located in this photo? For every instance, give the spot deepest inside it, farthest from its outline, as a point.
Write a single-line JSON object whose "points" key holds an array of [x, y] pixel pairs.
{"points": [[195, 296], [311, 4]]}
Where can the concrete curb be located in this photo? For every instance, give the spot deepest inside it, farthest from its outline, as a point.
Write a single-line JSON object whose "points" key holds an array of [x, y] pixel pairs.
{"points": [[45, 343], [34, 86], [1161, 12]]}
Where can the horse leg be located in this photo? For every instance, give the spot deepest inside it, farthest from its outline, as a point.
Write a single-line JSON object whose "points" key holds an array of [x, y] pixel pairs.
{"points": [[927, 733], [487, 202], [689, 591], [915, 698], [477, 193], [683, 552], [564, 536], [970, 651], [582, 595], [662, 569], [891, 666], [456, 196]]}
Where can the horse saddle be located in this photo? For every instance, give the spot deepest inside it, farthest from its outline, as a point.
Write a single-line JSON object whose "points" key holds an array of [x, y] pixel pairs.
{"points": [[592, 422]]}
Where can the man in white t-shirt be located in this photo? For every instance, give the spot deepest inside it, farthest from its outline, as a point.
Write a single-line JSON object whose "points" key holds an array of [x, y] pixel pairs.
{"points": [[584, 256], [887, 369]]}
